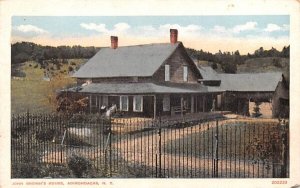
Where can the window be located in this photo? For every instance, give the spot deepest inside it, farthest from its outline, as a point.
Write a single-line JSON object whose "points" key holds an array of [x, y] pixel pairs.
{"points": [[105, 100], [185, 74], [124, 103], [93, 100], [166, 103], [167, 72], [138, 103]]}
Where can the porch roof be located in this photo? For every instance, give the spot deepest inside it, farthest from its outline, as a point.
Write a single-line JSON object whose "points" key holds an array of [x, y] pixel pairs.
{"points": [[142, 88]]}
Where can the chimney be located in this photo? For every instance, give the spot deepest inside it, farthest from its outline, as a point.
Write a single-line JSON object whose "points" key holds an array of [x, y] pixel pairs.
{"points": [[173, 36], [114, 42]]}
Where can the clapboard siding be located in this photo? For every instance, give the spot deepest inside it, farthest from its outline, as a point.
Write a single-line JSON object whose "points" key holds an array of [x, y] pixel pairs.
{"points": [[177, 61]]}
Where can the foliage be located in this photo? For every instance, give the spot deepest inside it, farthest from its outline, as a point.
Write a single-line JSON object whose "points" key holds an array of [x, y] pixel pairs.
{"points": [[26, 51], [229, 68], [230, 60], [79, 165], [71, 104], [31, 170], [56, 83]]}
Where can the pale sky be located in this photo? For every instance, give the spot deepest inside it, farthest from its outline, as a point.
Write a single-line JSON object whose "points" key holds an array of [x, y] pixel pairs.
{"points": [[210, 33]]}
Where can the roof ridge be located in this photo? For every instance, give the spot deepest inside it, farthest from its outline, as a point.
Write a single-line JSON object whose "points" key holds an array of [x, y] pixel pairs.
{"points": [[149, 44]]}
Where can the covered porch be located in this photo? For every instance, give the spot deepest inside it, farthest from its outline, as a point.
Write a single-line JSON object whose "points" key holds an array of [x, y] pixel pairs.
{"points": [[149, 99]]}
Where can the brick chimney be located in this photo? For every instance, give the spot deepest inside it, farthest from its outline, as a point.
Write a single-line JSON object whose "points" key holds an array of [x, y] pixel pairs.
{"points": [[173, 36], [114, 42]]}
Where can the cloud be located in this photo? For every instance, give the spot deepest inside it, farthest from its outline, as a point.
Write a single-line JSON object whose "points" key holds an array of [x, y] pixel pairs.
{"points": [[101, 28], [92, 26], [121, 26], [195, 36], [191, 29], [245, 27], [274, 27], [30, 29]]}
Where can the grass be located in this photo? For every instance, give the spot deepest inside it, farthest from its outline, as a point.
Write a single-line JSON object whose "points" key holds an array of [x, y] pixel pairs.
{"points": [[35, 94], [239, 140]]}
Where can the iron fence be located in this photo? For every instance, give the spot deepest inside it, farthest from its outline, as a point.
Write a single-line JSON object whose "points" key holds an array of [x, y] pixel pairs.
{"points": [[154, 148]]}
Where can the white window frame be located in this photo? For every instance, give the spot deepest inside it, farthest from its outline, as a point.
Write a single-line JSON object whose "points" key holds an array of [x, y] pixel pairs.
{"points": [[185, 73], [127, 101], [134, 103], [167, 72]]}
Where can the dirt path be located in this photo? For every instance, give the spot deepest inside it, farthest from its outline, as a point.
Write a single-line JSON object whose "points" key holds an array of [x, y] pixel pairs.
{"points": [[144, 151]]}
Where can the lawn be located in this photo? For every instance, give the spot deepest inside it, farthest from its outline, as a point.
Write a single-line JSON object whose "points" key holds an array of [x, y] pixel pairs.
{"points": [[239, 140], [33, 92]]}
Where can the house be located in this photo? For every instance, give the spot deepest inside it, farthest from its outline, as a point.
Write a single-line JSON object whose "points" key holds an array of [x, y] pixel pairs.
{"points": [[161, 79], [144, 80]]}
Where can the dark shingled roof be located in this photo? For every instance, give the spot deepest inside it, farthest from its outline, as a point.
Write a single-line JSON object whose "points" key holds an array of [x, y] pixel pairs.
{"points": [[140, 60], [251, 82], [208, 73], [142, 88]]}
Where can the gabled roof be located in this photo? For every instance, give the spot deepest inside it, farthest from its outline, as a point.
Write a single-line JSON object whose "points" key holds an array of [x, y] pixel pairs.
{"points": [[208, 73], [251, 82], [139, 60], [142, 88]]}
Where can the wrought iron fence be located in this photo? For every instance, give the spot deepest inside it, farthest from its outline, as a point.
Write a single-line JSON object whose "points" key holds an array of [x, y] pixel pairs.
{"points": [[155, 148]]}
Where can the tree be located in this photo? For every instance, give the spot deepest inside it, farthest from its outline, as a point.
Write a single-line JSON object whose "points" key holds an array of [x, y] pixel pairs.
{"points": [[214, 65], [229, 67]]}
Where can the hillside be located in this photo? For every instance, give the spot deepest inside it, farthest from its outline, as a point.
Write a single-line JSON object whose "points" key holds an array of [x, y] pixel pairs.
{"points": [[34, 85], [264, 64]]}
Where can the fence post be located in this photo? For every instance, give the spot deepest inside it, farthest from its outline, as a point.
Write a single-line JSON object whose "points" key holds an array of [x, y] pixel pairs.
{"points": [[110, 161], [28, 134], [159, 146], [284, 136], [215, 164]]}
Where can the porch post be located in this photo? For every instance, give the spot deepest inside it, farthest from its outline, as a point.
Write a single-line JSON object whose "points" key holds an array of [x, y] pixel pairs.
{"points": [[154, 106], [196, 101], [181, 105], [90, 103]]}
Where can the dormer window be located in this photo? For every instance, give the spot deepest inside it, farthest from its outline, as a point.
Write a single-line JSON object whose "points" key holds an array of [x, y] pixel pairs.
{"points": [[167, 72], [185, 74]]}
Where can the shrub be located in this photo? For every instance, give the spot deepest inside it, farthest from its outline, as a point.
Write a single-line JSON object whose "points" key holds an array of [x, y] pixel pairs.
{"points": [[214, 65], [31, 170], [26, 170], [70, 69], [79, 165]]}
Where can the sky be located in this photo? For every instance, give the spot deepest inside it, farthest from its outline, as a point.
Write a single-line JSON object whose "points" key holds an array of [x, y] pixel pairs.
{"points": [[209, 33]]}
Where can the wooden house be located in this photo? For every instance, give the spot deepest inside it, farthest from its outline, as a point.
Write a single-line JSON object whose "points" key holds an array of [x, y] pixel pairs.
{"points": [[161, 79], [144, 80]]}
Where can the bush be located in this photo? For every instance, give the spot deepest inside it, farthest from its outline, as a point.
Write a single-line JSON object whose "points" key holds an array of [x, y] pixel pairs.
{"points": [[31, 170], [214, 65], [70, 69], [26, 170], [79, 165]]}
